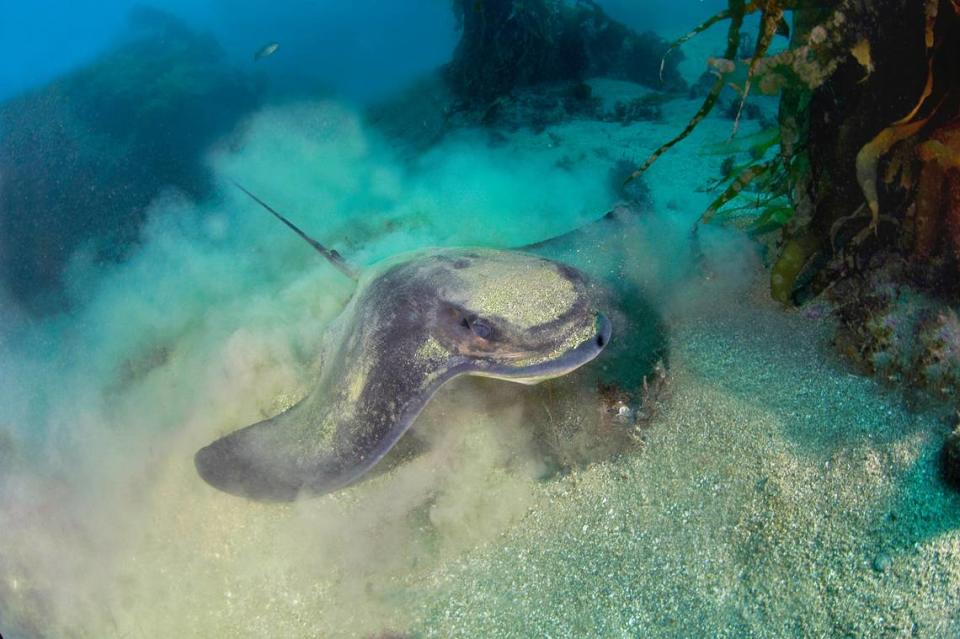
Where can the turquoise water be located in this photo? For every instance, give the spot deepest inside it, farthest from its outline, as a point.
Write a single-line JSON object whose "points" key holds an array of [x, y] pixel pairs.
{"points": [[148, 307]]}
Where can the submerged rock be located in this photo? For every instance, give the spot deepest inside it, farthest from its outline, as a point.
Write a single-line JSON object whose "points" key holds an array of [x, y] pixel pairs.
{"points": [[882, 562], [890, 328], [950, 459], [508, 45], [636, 192], [83, 157]]}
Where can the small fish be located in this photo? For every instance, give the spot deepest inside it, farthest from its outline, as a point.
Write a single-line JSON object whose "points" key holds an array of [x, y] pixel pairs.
{"points": [[266, 51]]}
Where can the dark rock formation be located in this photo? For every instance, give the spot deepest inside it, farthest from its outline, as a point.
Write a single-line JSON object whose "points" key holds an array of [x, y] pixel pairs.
{"points": [[509, 44], [950, 459], [82, 158], [853, 106]]}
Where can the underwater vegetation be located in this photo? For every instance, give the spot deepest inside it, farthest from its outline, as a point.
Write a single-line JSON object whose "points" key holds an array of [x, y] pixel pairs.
{"points": [[864, 187], [868, 111], [874, 182], [862, 169], [83, 157]]}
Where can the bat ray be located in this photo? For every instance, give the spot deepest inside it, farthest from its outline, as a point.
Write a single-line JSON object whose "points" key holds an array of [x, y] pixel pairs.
{"points": [[415, 322]]}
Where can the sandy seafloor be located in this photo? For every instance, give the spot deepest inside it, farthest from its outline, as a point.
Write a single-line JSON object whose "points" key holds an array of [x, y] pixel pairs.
{"points": [[777, 494]]}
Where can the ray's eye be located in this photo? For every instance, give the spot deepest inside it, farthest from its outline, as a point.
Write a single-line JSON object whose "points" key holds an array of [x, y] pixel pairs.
{"points": [[479, 328]]}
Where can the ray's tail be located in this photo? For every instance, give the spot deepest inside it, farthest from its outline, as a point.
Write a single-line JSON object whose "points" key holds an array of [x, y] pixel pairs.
{"points": [[331, 255]]}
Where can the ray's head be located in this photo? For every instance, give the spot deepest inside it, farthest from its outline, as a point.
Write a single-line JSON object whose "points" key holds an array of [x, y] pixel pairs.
{"points": [[513, 316]]}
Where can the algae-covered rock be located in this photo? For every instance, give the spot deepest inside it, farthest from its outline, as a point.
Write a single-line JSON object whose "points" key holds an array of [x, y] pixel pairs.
{"points": [[891, 87]]}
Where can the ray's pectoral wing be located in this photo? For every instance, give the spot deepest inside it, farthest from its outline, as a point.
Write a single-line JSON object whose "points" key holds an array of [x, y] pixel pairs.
{"points": [[327, 441]]}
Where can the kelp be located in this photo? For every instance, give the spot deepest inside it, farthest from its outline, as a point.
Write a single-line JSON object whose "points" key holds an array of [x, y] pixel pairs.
{"points": [[737, 12], [767, 206], [904, 144], [937, 207], [758, 198], [771, 15], [756, 195], [703, 26], [771, 20], [762, 195], [756, 144], [744, 178], [794, 255], [869, 156]]}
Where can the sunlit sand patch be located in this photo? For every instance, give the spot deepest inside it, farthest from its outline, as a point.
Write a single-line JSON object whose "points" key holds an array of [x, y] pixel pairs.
{"points": [[765, 503]]}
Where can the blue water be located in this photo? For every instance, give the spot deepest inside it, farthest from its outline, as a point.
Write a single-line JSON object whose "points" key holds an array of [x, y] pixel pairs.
{"points": [[357, 49]]}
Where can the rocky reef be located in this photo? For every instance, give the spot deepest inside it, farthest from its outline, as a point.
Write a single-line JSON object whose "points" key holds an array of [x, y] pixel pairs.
{"points": [[507, 45], [881, 144], [897, 331], [82, 157], [532, 64], [877, 227]]}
